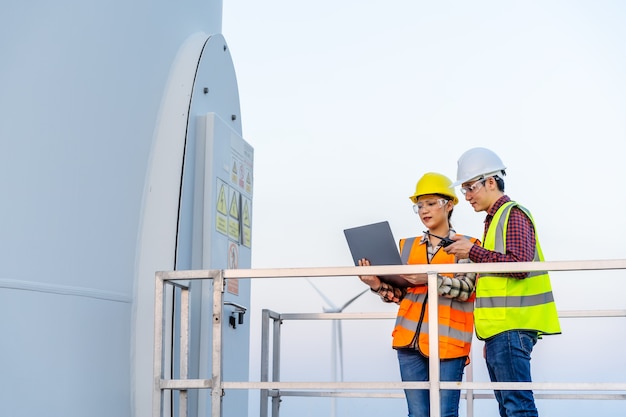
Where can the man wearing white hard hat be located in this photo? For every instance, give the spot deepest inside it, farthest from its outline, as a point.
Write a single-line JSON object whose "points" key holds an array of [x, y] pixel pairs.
{"points": [[512, 311]]}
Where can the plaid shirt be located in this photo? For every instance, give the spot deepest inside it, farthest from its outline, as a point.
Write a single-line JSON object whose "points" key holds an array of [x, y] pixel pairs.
{"points": [[459, 288], [520, 239]]}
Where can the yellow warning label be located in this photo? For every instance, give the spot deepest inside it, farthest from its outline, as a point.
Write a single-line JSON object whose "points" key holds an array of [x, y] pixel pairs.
{"points": [[246, 236], [221, 201], [234, 173], [234, 206], [233, 229], [248, 183], [246, 214], [221, 224]]}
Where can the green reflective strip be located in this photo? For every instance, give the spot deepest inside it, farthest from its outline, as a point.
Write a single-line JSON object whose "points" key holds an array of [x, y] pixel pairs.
{"points": [[500, 231], [515, 301]]}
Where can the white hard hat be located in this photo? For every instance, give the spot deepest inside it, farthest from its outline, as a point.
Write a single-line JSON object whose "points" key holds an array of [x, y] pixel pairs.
{"points": [[477, 163]]}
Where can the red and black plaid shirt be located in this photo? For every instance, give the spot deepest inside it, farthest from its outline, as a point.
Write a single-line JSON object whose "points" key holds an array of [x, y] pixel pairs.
{"points": [[520, 239]]}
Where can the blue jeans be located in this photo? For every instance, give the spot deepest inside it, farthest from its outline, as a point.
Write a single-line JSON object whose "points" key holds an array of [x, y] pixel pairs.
{"points": [[414, 367], [508, 360]]}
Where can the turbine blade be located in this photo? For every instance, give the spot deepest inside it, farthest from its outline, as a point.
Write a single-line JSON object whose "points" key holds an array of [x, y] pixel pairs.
{"points": [[352, 300], [326, 299]]}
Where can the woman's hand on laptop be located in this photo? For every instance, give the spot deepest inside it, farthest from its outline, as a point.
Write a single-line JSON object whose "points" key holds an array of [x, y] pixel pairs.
{"points": [[372, 280], [387, 293]]}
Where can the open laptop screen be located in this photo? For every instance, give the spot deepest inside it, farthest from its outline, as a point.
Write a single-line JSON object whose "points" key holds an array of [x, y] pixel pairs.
{"points": [[376, 243]]}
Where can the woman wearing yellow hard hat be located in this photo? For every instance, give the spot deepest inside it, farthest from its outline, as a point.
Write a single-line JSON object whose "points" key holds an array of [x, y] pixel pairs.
{"points": [[434, 200]]}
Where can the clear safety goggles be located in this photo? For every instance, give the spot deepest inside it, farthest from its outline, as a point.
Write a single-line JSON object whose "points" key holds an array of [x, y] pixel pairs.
{"points": [[471, 189], [430, 204]]}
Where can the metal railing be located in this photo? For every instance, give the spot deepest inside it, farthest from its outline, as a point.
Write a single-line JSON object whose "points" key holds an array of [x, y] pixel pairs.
{"points": [[273, 389]]}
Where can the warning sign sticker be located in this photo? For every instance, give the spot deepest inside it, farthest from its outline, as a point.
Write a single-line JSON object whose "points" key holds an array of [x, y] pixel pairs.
{"points": [[246, 223], [234, 173], [234, 215], [221, 198], [241, 174], [234, 205], [221, 216], [249, 182]]}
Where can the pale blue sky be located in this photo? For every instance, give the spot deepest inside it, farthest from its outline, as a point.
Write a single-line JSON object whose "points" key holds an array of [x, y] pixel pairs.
{"points": [[348, 103]]}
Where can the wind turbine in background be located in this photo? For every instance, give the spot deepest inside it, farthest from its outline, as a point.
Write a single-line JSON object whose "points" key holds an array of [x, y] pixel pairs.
{"points": [[336, 339]]}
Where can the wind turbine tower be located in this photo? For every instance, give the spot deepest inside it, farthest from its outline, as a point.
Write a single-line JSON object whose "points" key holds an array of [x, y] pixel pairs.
{"points": [[122, 155]]}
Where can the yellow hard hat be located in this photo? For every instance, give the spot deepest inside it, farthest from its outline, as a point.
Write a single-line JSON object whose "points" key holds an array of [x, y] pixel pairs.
{"points": [[434, 183]]}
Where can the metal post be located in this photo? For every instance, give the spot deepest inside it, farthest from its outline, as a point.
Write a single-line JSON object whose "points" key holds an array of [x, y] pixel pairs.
{"points": [[158, 346], [216, 377], [469, 394], [276, 365], [433, 342], [184, 348], [265, 359]]}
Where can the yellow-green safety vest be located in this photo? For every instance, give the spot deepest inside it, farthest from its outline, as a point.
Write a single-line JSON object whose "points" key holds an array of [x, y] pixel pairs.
{"points": [[506, 303]]}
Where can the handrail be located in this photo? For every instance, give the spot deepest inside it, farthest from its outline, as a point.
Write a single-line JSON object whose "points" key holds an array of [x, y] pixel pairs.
{"points": [[284, 389], [584, 265], [216, 385]]}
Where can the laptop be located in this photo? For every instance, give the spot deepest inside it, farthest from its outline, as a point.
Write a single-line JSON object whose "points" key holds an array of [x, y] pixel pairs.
{"points": [[376, 243]]}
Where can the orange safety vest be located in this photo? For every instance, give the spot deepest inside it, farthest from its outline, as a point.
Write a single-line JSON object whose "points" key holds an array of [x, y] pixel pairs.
{"points": [[456, 318]]}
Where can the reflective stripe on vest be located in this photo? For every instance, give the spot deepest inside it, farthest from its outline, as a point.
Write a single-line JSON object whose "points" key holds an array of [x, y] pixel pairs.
{"points": [[456, 318], [506, 303]]}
